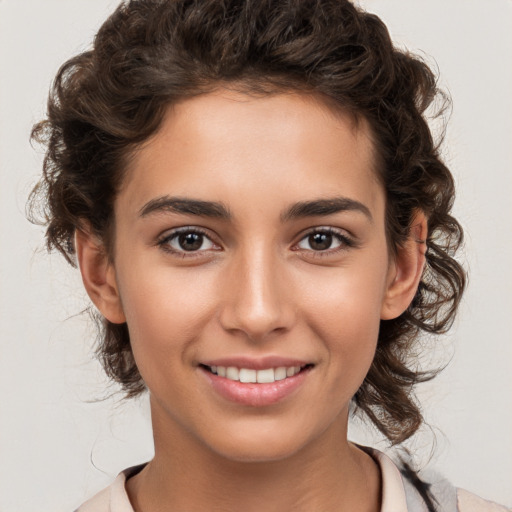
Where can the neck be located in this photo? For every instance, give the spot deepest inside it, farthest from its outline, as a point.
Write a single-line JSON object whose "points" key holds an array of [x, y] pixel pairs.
{"points": [[329, 474]]}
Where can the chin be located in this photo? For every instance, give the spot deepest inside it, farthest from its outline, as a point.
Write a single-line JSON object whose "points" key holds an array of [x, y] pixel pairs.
{"points": [[261, 444], [258, 452]]}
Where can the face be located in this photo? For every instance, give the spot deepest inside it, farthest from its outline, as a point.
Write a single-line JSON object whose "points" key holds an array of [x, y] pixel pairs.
{"points": [[251, 266]]}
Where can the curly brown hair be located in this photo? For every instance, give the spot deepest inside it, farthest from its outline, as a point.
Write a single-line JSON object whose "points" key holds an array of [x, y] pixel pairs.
{"points": [[152, 53]]}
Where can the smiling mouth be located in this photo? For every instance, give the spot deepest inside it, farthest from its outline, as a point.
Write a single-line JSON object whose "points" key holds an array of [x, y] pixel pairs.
{"points": [[251, 376]]}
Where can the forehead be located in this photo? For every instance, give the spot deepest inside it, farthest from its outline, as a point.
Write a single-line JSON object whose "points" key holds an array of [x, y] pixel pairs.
{"points": [[227, 143]]}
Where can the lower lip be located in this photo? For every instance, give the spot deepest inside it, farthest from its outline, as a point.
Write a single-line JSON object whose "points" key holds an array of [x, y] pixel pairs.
{"points": [[255, 395]]}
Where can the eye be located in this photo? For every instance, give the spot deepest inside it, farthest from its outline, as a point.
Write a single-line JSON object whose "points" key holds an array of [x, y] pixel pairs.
{"points": [[324, 240], [187, 240]]}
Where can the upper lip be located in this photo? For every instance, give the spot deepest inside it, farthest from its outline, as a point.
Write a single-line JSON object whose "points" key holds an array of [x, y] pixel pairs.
{"points": [[252, 363]]}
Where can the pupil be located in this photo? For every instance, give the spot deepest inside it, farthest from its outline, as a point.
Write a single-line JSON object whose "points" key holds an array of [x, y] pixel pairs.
{"points": [[320, 241], [190, 241]]}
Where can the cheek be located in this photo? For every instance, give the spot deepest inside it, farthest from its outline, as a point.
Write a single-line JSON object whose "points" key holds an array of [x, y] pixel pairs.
{"points": [[166, 310], [343, 308]]}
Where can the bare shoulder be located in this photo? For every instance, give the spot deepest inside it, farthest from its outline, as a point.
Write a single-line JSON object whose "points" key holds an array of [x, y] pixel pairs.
{"points": [[469, 502]]}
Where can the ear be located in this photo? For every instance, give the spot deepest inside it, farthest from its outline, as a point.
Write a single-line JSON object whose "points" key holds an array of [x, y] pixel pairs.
{"points": [[98, 275], [406, 269]]}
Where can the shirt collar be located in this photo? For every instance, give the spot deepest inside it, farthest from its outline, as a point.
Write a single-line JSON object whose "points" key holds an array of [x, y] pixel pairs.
{"points": [[393, 492]]}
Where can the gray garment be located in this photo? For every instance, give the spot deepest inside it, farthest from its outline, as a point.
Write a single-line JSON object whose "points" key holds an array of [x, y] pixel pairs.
{"points": [[442, 493]]}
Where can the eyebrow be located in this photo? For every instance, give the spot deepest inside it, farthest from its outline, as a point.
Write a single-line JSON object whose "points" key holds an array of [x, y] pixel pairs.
{"points": [[324, 207], [212, 209], [185, 206]]}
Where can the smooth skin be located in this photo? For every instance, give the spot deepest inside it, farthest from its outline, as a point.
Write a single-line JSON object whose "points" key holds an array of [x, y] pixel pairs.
{"points": [[217, 256]]}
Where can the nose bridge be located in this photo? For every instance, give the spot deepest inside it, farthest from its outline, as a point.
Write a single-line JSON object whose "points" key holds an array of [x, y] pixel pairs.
{"points": [[256, 301]]}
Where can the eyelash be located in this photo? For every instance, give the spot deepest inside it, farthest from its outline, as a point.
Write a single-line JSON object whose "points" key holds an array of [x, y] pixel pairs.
{"points": [[345, 242], [165, 241]]}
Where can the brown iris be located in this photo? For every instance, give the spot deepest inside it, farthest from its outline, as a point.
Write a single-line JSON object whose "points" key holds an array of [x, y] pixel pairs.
{"points": [[320, 241], [190, 241]]}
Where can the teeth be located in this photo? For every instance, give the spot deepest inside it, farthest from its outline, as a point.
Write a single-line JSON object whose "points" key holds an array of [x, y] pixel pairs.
{"points": [[247, 375], [280, 373], [232, 373], [265, 376]]}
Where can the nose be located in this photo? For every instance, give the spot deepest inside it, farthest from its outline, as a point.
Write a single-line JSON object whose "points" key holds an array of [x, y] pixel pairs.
{"points": [[257, 299]]}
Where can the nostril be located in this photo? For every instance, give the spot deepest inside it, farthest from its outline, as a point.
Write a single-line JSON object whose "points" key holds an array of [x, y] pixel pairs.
{"points": [[255, 325]]}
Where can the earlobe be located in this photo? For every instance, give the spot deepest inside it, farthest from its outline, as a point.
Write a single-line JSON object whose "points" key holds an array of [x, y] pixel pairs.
{"points": [[98, 275], [406, 270]]}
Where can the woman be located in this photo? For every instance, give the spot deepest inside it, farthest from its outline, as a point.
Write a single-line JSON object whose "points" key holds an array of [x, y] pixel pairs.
{"points": [[261, 217]]}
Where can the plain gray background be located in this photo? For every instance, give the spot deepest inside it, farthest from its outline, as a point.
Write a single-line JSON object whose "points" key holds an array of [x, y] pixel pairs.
{"points": [[59, 444]]}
